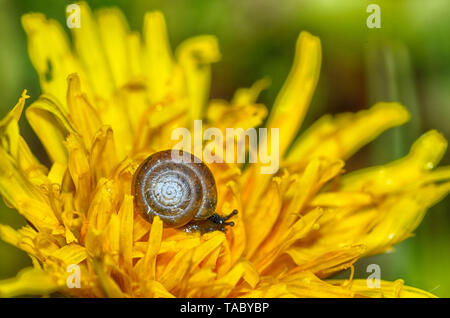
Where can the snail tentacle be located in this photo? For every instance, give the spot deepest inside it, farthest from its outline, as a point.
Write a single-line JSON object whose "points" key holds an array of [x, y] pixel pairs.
{"points": [[213, 223]]}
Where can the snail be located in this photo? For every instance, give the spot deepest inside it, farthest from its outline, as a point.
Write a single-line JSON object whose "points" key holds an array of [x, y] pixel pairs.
{"points": [[180, 189]]}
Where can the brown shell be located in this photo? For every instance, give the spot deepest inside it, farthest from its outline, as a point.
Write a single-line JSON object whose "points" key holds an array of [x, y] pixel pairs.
{"points": [[176, 186]]}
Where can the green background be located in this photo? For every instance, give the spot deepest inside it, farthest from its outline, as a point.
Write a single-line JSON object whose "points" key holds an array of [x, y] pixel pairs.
{"points": [[407, 60]]}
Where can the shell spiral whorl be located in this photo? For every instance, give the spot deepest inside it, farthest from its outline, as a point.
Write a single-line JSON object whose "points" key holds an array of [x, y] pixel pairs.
{"points": [[178, 191]]}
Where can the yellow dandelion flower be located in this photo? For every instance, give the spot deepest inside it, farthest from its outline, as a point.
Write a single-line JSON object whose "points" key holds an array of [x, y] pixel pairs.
{"points": [[114, 99]]}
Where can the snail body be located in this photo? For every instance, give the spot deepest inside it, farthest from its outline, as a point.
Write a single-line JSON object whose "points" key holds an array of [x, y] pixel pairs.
{"points": [[180, 189]]}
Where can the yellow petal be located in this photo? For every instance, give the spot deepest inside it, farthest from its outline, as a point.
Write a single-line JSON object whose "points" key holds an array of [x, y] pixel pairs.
{"points": [[13, 143], [293, 100], [18, 238], [158, 61], [243, 269], [113, 31], [84, 117], [306, 284], [22, 238], [195, 56], [170, 245], [175, 273], [92, 242], [88, 46], [317, 173], [136, 96], [236, 237], [376, 227], [9, 128], [107, 284], [80, 172], [9, 235], [141, 227], [72, 221], [27, 198], [113, 113], [275, 247], [111, 238], [259, 222], [71, 254], [50, 125], [387, 289], [201, 282], [212, 242], [56, 173], [327, 263], [51, 54], [148, 266], [126, 231], [424, 155], [222, 116], [279, 290], [134, 54], [101, 206], [402, 215], [156, 290], [30, 165], [341, 136], [30, 281], [245, 96], [342, 199], [103, 157]]}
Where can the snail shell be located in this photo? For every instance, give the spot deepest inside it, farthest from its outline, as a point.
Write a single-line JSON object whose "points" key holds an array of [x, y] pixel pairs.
{"points": [[178, 189]]}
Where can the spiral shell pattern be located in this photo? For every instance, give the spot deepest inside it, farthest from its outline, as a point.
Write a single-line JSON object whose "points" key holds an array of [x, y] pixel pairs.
{"points": [[176, 188]]}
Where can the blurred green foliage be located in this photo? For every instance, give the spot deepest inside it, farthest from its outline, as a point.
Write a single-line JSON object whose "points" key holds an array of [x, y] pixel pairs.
{"points": [[407, 60]]}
